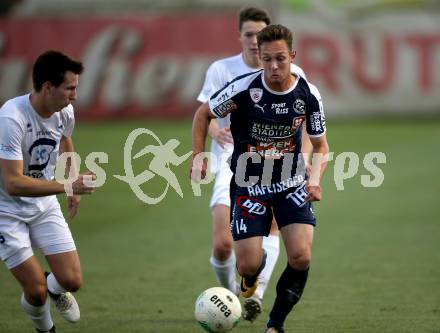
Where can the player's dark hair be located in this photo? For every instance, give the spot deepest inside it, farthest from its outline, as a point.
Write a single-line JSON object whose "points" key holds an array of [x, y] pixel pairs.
{"points": [[275, 32], [52, 66], [253, 14]]}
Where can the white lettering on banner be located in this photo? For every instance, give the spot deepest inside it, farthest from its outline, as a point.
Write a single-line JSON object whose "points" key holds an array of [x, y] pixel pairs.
{"points": [[128, 74], [352, 60]]}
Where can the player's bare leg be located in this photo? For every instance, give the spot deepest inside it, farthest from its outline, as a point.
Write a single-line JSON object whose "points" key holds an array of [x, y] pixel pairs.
{"points": [[251, 260], [298, 239], [253, 306], [34, 300], [271, 244], [66, 277], [223, 258]]}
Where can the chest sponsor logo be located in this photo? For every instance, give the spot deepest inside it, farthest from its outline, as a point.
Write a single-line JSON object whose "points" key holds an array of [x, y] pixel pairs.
{"points": [[273, 150], [256, 94], [40, 156], [270, 132], [280, 108], [299, 106], [44, 133]]}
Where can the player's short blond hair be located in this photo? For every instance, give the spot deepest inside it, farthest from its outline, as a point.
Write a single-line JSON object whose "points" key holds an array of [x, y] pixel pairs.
{"points": [[275, 32]]}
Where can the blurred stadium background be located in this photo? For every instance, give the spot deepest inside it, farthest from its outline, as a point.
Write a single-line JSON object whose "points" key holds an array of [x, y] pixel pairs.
{"points": [[377, 65]]}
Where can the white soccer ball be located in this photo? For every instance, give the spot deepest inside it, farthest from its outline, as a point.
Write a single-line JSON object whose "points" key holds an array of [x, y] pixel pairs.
{"points": [[217, 310]]}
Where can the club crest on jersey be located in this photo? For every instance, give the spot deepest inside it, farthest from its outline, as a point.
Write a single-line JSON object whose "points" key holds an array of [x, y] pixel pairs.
{"points": [[256, 94], [299, 106]]}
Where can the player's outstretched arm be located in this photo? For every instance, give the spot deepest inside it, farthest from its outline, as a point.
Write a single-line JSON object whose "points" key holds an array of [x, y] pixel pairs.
{"points": [[17, 184], [319, 163], [201, 121]]}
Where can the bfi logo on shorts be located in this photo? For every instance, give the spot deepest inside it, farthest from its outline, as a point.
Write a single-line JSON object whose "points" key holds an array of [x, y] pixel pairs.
{"points": [[251, 205], [299, 196], [254, 207]]}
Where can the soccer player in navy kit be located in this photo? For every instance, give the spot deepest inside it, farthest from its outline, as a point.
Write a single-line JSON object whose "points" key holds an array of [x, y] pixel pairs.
{"points": [[267, 110], [220, 72]]}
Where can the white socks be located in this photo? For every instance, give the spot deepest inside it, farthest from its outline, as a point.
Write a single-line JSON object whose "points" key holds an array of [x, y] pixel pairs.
{"points": [[271, 245], [40, 315], [225, 272], [53, 285]]}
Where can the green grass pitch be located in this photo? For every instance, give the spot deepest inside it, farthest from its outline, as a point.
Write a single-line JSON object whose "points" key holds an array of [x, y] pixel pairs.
{"points": [[376, 264]]}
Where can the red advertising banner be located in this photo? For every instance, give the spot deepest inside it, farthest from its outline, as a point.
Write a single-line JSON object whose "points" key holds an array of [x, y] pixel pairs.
{"points": [[154, 66], [134, 66]]}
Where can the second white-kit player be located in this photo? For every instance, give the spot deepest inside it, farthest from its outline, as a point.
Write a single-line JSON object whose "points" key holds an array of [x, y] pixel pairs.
{"points": [[251, 21]]}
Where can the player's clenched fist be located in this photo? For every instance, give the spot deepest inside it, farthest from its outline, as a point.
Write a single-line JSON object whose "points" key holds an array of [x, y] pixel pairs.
{"points": [[314, 193], [85, 183]]}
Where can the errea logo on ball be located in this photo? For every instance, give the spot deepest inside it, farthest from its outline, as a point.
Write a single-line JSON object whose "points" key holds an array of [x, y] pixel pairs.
{"points": [[222, 306]]}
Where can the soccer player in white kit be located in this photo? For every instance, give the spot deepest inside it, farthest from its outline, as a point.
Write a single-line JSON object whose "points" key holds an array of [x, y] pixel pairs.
{"points": [[251, 21], [34, 130]]}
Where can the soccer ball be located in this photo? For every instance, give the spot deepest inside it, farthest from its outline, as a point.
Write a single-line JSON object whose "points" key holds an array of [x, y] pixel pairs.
{"points": [[217, 310]]}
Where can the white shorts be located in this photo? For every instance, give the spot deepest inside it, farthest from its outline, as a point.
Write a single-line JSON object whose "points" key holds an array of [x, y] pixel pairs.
{"points": [[47, 231], [220, 192]]}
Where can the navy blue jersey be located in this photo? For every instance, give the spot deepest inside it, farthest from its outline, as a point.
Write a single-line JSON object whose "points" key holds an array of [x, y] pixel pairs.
{"points": [[268, 123]]}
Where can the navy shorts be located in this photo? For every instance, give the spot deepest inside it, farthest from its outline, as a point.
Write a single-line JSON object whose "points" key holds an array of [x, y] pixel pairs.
{"points": [[252, 209]]}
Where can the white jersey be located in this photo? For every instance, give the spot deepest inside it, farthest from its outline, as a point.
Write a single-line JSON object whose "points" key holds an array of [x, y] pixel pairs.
{"points": [[217, 76], [26, 136]]}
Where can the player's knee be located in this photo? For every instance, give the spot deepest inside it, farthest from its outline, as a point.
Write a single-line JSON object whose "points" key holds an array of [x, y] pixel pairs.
{"points": [[244, 269], [300, 261], [222, 249], [72, 283], [247, 268], [36, 294]]}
